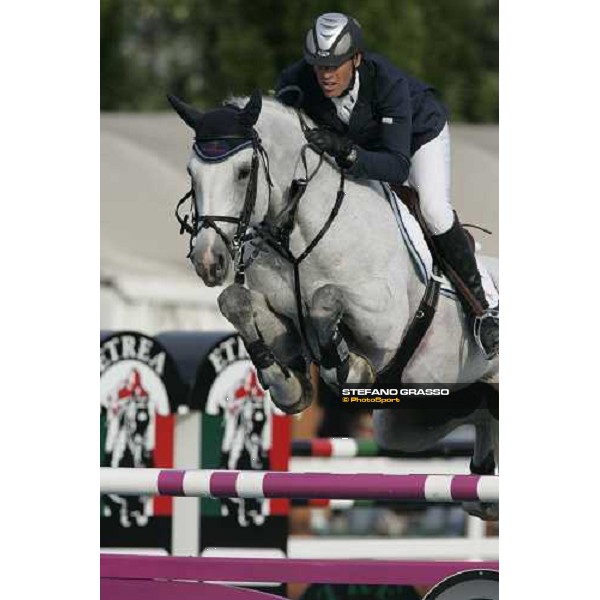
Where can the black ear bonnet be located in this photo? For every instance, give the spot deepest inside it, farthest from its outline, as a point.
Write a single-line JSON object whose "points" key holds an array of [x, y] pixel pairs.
{"points": [[223, 131]]}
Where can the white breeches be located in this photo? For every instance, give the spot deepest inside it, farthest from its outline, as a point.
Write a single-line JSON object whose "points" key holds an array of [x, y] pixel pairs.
{"points": [[430, 176]]}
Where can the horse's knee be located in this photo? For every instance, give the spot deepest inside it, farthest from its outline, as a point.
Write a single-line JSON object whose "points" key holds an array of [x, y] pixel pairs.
{"points": [[235, 303]]}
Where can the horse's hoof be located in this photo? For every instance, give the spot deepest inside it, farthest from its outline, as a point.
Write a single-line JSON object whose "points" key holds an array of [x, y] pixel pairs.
{"points": [[296, 408], [305, 400], [486, 511], [359, 370]]}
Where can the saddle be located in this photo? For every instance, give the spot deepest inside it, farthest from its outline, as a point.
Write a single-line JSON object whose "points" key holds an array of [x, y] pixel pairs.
{"points": [[410, 198]]}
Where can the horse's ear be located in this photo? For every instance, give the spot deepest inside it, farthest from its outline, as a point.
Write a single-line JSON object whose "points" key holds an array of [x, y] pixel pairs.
{"points": [[250, 112], [187, 112]]}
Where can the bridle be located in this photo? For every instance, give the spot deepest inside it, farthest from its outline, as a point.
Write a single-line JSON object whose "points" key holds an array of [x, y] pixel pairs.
{"points": [[193, 224], [277, 237]]}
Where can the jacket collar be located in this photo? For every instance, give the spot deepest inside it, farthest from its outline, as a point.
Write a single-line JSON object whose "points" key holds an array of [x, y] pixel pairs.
{"points": [[325, 108], [366, 95]]}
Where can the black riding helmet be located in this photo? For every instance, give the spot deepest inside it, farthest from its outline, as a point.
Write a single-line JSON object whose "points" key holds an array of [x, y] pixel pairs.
{"points": [[332, 40]]}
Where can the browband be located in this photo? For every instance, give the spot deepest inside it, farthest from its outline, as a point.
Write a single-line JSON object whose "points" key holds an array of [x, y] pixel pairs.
{"points": [[215, 150]]}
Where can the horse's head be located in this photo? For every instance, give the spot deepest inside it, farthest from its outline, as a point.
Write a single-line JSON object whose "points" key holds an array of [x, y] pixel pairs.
{"points": [[228, 186]]}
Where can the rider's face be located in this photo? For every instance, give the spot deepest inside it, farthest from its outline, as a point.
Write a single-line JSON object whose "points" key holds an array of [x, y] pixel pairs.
{"points": [[335, 80]]}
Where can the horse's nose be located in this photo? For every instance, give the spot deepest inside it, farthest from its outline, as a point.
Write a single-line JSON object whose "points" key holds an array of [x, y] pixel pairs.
{"points": [[211, 268], [218, 268]]}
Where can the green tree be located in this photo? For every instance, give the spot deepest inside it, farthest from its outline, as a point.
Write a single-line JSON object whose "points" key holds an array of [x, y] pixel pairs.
{"points": [[206, 50]]}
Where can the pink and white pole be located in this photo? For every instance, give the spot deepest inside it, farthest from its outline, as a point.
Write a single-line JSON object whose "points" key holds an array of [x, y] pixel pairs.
{"points": [[284, 569], [274, 484]]}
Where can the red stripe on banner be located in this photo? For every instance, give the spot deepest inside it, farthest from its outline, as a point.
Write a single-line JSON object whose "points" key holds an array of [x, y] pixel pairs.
{"points": [[164, 450], [321, 447], [319, 502], [279, 457]]}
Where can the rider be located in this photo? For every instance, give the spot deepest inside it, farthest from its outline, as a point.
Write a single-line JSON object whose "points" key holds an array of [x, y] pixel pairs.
{"points": [[381, 123]]}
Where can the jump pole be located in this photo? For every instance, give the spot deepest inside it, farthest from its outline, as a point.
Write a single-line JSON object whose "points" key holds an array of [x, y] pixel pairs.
{"points": [[276, 484], [254, 570], [353, 448]]}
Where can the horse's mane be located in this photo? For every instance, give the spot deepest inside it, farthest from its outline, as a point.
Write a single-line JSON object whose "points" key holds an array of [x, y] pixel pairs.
{"points": [[270, 102]]}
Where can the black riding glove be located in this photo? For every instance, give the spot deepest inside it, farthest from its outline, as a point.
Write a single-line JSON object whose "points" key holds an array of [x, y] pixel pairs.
{"points": [[340, 147]]}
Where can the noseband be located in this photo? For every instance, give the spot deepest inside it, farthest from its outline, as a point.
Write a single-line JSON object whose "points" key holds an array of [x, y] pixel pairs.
{"points": [[193, 224]]}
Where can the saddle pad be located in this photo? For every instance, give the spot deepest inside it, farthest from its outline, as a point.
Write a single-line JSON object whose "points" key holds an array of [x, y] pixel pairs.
{"points": [[419, 252]]}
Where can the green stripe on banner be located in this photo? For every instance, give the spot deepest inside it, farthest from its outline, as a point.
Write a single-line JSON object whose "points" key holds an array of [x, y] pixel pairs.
{"points": [[367, 448], [102, 453], [210, 457]]}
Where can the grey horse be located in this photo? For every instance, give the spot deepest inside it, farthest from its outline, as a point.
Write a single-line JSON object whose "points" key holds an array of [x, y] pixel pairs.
{"points": [[357, 288]]}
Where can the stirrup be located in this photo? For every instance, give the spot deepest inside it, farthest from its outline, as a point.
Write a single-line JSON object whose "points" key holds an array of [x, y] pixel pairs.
{"points": [[490, 313]]}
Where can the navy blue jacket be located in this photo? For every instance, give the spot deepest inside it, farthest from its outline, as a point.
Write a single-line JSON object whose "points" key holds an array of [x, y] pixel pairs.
{"points": [[394, 115]]}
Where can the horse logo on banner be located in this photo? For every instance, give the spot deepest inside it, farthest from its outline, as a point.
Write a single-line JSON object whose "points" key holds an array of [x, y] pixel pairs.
{"points": [[129, 443], [132, 394], [237, 396]]}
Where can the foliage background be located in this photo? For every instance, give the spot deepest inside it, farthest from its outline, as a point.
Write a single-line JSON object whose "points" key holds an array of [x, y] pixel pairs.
{"points": [[204, 50]]}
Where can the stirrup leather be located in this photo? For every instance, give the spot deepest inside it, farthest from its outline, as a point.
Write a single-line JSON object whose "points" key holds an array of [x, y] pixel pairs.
{"points": [[490, 313]]}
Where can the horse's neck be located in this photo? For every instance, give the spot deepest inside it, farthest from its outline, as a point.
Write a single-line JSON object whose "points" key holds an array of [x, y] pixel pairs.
{"points": [[283, 137], [364, 206]]}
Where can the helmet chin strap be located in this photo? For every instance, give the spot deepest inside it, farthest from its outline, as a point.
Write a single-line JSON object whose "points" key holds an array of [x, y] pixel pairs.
{"points": [[352, 80]]}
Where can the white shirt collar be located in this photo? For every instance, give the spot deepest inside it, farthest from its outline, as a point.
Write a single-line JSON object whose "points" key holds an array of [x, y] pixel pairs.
{"points": [[345, 104]]}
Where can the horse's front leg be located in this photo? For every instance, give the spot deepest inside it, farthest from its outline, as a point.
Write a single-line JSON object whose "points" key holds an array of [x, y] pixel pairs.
{"points": [[272, 345], [338, 364]]}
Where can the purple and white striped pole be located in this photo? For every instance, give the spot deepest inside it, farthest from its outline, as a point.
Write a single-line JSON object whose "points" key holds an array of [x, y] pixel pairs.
{"points": [[118, 567], [274, 484]]}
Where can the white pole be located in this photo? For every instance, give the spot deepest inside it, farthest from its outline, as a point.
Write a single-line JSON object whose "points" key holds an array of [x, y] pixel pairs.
{"points": [[142, 482]]}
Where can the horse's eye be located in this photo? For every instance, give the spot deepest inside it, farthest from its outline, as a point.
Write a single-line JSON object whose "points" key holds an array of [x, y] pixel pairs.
{"points": [[243, 173]]}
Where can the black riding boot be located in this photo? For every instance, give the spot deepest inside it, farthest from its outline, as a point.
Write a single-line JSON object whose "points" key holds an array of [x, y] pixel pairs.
{"points": [[455, 249]]}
